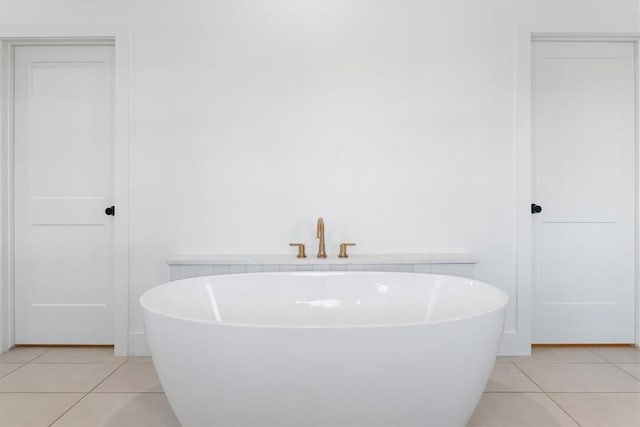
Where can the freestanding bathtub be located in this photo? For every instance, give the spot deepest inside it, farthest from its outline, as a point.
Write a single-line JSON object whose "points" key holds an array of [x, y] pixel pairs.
{"points": [[324, 349]]}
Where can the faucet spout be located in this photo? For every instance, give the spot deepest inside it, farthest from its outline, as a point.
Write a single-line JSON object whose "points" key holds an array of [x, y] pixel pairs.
{"points": [[320, 235]]}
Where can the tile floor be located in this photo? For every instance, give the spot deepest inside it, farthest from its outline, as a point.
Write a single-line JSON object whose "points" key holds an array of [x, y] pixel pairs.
{"points": [[563, 386], [80, 387], [89, 387]]}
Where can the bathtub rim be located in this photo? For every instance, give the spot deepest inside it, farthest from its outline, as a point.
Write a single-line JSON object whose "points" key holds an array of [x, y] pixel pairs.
{"points": [[502, 295]]}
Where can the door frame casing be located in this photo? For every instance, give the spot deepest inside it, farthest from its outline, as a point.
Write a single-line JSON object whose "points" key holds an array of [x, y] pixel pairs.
{"points": [[117, 35], [524, 173]]}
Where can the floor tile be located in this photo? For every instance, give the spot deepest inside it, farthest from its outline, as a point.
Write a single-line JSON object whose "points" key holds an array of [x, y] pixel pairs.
{"points": [[519, 409], [507, 377], [121, 410], [619, 354], [601, 409], [513, 359], [139, 360], [632, 368], [136, 378], [80, 355], [55, 377], [34, 409], [561, 355], [5, 368], [22, 354], [580, 377], [581, 381]]}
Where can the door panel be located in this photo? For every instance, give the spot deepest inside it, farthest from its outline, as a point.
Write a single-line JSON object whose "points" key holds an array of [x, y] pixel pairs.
{"points": [[583, 253], [584, 157], [63, 182]]}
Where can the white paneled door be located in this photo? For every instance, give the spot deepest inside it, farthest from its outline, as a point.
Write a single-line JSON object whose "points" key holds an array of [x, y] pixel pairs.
{"points": [[63, 144], [583, 179]]}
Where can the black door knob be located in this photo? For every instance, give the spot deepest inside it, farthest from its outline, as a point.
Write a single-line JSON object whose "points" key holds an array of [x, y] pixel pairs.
{"points": [[111, 210], [535, 208]]}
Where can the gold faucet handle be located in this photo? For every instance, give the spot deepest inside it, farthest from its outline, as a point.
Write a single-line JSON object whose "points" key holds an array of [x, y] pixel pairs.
{"points": [[301, 252], [343, 250]]}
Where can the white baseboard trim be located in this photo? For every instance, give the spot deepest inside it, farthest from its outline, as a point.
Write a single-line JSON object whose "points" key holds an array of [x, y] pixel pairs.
{"points": [[138, 345], [514, 344]]}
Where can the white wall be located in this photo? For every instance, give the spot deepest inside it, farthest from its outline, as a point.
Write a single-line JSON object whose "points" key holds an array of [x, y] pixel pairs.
{"points": [[392, 120]]}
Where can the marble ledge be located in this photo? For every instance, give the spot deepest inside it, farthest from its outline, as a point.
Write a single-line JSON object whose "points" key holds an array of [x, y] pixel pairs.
{"points": [[430, 258]]}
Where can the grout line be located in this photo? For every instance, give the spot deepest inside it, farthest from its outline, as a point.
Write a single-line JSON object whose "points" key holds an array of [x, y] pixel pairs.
{"points": [[57, 364], [131, 392], [97, 362], [64, 346], [628, 373], [10, 372], [608, 359], [605, 361], [548, 396], [74, 347], [126, 361], [70, 408], [107, 377], [594, 392], [43, 392], [559, 362], [38, 356], [85, 395], [162, 392], [562, 409], [513, 392], [530, 379]]}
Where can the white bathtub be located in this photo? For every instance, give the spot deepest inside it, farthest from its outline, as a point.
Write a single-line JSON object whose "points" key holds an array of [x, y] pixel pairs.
{"points": [[324, 349]]}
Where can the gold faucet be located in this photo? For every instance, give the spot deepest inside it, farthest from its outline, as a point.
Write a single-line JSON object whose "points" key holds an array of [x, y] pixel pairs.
{"points": [[320, 235], [301, 252], [343, 250]]}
